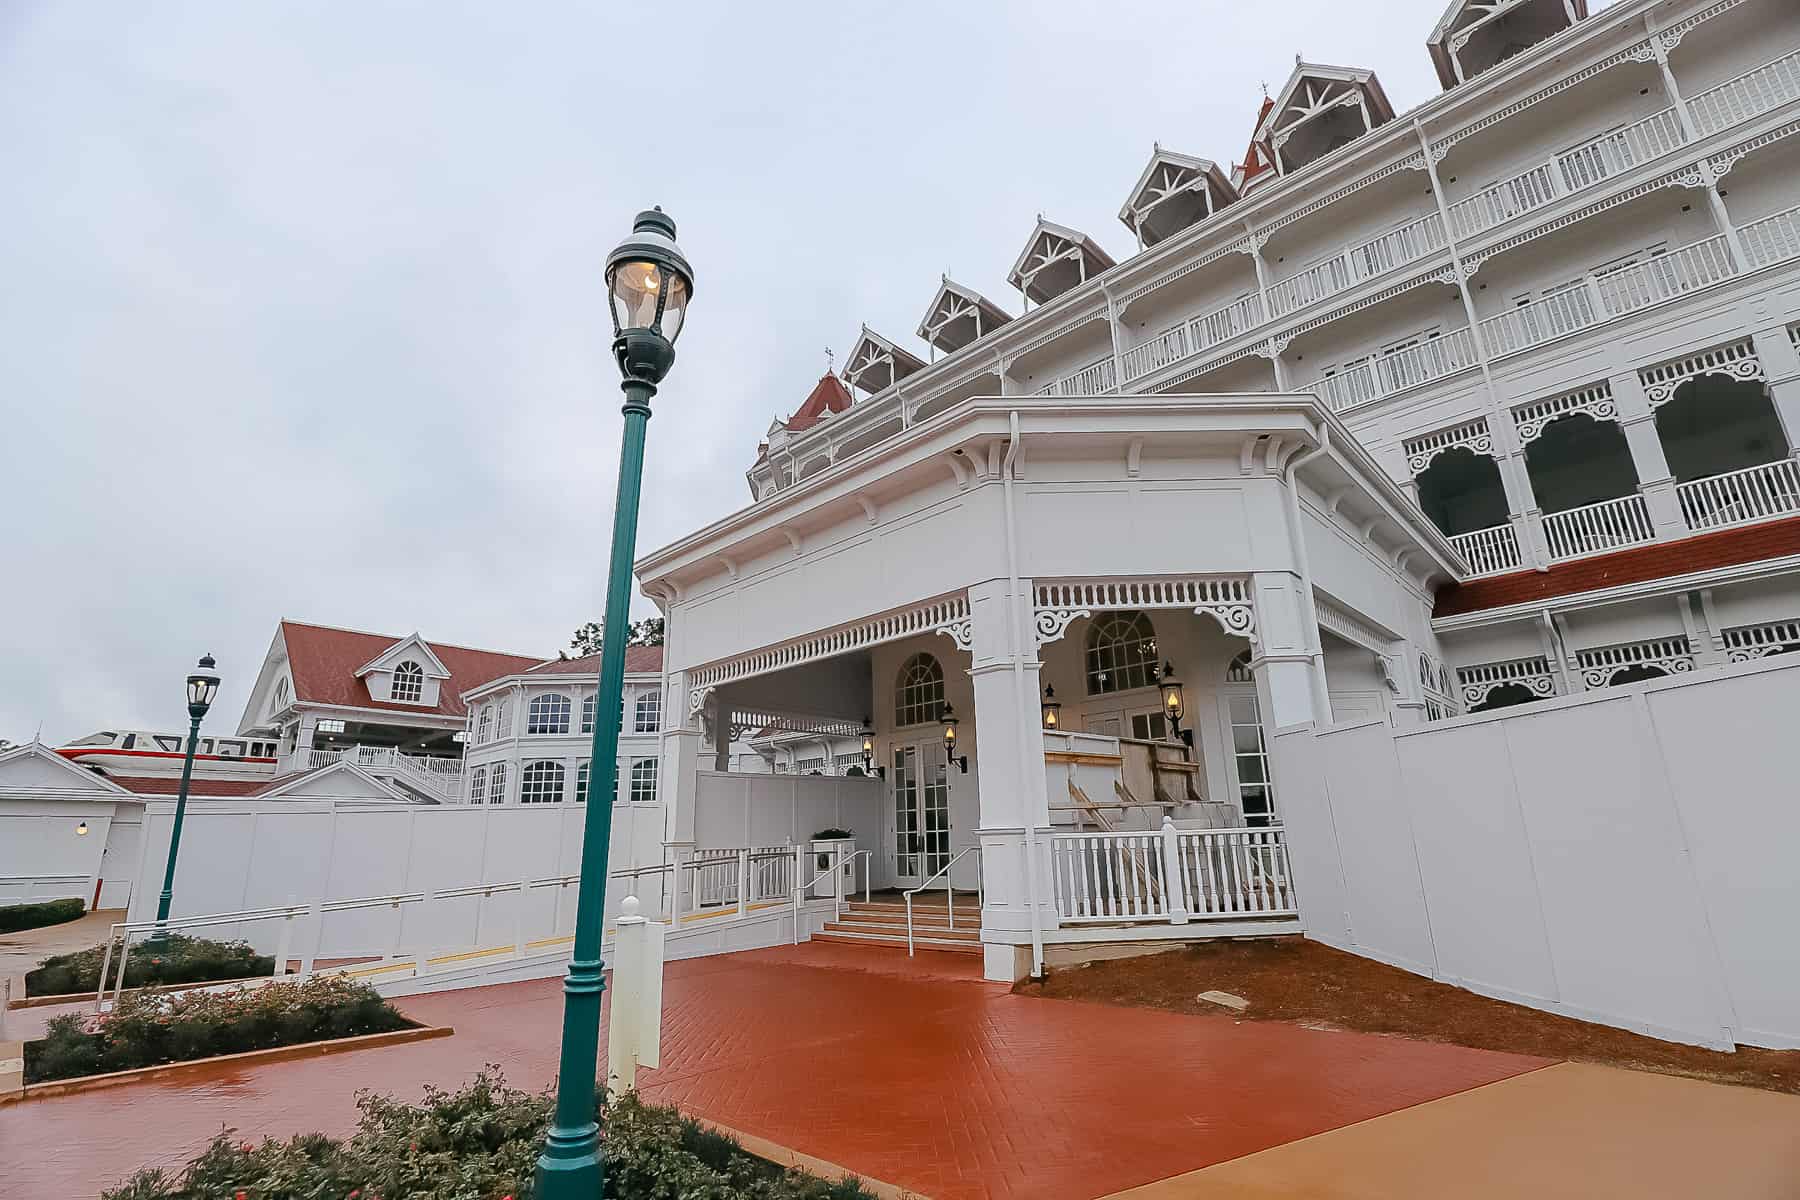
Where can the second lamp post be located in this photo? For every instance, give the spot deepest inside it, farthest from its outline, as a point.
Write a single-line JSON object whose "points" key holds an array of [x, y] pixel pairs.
{"points": [[650, 283], [202, 686]]}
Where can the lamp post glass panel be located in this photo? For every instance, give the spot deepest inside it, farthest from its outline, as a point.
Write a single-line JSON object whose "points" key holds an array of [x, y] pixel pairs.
{"points": [[649, 284], [202, 686]]}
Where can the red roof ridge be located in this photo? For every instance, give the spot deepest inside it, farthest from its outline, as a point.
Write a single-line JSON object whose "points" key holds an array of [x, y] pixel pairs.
{"points": [[401, 638], [828, 395]]}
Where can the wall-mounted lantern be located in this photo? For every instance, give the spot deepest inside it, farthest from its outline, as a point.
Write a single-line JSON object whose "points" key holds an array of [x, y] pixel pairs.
{"points": [[1052, 709], [1174, 703], [948, 721]]}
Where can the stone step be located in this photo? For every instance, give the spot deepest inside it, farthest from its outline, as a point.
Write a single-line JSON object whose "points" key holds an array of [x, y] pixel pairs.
{"points": [[898, 942]]}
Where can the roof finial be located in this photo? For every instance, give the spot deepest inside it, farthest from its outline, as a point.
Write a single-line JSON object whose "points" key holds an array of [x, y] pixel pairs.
{"points": [[1265, 88], [1298, 59], [830, 361]]}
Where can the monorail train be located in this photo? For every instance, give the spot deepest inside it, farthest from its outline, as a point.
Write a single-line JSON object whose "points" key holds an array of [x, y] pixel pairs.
{"points": [[111, 748]]}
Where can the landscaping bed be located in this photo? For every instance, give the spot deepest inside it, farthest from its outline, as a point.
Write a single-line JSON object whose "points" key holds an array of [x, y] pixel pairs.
{"points": [[481, 1143], [150, 1029], [1292, 979], [174, 958], [17, 917]]}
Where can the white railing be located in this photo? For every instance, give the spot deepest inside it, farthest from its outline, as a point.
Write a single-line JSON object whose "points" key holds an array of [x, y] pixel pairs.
{"points": [[1739, 497], [1750, 94], [1585, 165], [1170, 875], [1223, 324], [943, 873], [1488, 551], [1171, 345], [1092, 380], [1771, 240], [1551, 316], [1627, 289], [442, 777], [1389, 373], [1349, 267], [1593, 528]]}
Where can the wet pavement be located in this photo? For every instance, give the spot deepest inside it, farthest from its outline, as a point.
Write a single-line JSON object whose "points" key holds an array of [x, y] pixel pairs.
{"points": [[915, 1074]]}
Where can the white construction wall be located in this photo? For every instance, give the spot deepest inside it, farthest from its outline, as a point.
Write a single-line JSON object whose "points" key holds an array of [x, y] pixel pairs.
{"points": [[1625, 856], [774, 810], [239, 855]]}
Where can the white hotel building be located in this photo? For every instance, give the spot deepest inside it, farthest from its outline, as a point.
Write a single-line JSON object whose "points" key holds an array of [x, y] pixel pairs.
{"points": [[1405, 416]]}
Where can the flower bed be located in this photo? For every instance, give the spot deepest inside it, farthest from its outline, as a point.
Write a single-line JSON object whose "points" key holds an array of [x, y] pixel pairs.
{"points": [[14, 917], [148, 1029], [175, 958], [481, 1143]]}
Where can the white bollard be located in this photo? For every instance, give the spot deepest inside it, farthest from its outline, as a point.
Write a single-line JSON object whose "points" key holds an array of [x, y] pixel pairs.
{"points": [[634, 1028]]}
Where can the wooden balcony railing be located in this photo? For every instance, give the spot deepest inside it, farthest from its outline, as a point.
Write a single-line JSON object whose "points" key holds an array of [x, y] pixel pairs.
{"points": [[1597, 528], [1488, 551], [1749, 95], [1386, 374], [1740, 497], [1350, 267]]}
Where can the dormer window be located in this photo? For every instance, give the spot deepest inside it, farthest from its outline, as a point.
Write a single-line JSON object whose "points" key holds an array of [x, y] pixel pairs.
{"points": [[409, 683], [1321, 108], [877, 364], [1056, 259], [958, 316], [1174, 192], [1477, 35]]}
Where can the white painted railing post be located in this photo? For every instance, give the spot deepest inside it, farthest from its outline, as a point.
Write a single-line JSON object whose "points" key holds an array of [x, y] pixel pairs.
{"points": [[519, 923], [799, 886], [634, 1033], [285, 942], [743, 880], [315, 916], [1173, 887]]}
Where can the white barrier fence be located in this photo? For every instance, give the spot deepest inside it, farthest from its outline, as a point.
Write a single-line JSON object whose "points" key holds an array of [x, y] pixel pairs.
{"points": [[1171, 875]]}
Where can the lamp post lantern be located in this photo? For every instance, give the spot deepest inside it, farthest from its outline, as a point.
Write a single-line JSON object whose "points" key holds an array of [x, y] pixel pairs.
{"points": [[202, 686], [649, 284]]}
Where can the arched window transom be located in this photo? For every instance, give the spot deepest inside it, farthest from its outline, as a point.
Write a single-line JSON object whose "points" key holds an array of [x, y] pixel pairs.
{"points": [[497, 784], [581, 783], [919, 691], [478, 786], [643, 781], [548, 714], [1121, 653], [409, 682]]}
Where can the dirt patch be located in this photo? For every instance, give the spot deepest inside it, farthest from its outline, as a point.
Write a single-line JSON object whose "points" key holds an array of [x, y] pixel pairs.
{"points": [[1291, 979]]}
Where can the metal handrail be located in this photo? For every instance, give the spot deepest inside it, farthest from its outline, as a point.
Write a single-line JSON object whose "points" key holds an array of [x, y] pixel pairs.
{"points": [[949, 891], [838, 859]]}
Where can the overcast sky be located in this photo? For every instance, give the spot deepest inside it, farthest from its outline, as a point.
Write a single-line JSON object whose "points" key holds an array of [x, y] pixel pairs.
{"points": [[301, 312]]}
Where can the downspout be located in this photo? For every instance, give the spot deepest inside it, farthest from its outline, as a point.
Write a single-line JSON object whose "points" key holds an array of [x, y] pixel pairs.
{"points": [[1017, 633], [1289, 475]]}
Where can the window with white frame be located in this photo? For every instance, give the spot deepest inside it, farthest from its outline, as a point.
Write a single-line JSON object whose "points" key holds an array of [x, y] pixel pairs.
{"points": [[484, 724], [581, 782], [503, 719], [478, 786], [587, 712], [647, 713], [811, 766], [919, 691], [541, 783], [497, 784], [409, 682], [1121, 653], [548, 714], [1250, 758], [643, 781]]}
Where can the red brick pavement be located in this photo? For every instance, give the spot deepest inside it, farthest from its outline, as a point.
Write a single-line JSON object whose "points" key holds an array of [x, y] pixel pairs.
{"points": [[910, 1073]]}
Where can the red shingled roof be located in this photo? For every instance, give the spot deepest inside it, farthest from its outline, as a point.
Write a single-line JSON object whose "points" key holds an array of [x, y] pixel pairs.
{"points": [[829, 395], [639, 660], [1704, 552], [1256, 161], [147, 786], [324, 662]]}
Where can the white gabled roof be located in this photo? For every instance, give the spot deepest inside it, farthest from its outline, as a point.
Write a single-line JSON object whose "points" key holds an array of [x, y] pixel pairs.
{"points": [[1464, 16], [398, 652], [41, 772], [1314, 87], [1166, 177], [959, 315], [876, 363], [1040, 272]]}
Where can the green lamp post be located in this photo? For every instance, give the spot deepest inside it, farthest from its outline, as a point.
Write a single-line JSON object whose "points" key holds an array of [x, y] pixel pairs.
{"points": [[202, 686], [650, 284]]}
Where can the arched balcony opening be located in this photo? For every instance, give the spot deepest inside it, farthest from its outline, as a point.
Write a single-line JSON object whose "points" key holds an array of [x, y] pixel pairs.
{"points": [[1727, 450], [1505, 696], [1584, 480], [1636, 674], [1461, 492]]}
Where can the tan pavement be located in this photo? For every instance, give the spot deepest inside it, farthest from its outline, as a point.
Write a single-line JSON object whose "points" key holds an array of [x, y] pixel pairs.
{"points": [[1569, 1130]]}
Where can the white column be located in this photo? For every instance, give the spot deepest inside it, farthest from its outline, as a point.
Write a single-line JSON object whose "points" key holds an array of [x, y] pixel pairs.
{"points": [[1283, 661], [1011, 787], [678, 773], [1781, 364], [1655, 479]]}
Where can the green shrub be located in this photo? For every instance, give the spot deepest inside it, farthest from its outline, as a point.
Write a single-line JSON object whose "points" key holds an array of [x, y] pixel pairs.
{"points": [[14, 917], [175, 958], [482, 1143], [147, 1028]]}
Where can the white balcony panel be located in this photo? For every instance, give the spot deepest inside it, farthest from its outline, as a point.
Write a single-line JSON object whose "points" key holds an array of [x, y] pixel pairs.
{"points": [[1389, 373], [1749, 95], [1365, 260], [1571, 171], [1169, 346], [1548, 317], [1627, 289], [1740, 497], [1488, 551], [1596, 528], [1771, 240], [1092, 380]]}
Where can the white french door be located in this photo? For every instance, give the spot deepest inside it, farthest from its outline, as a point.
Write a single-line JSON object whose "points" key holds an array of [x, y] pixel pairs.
{"points": [[921, 793]]}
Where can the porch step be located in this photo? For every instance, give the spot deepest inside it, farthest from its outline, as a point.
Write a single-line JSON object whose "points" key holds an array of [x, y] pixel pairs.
{"points": [[898, 941], [944, 933]]}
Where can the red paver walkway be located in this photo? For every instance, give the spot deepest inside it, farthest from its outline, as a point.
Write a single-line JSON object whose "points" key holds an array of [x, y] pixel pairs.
{"points": [[917, 1076]]}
